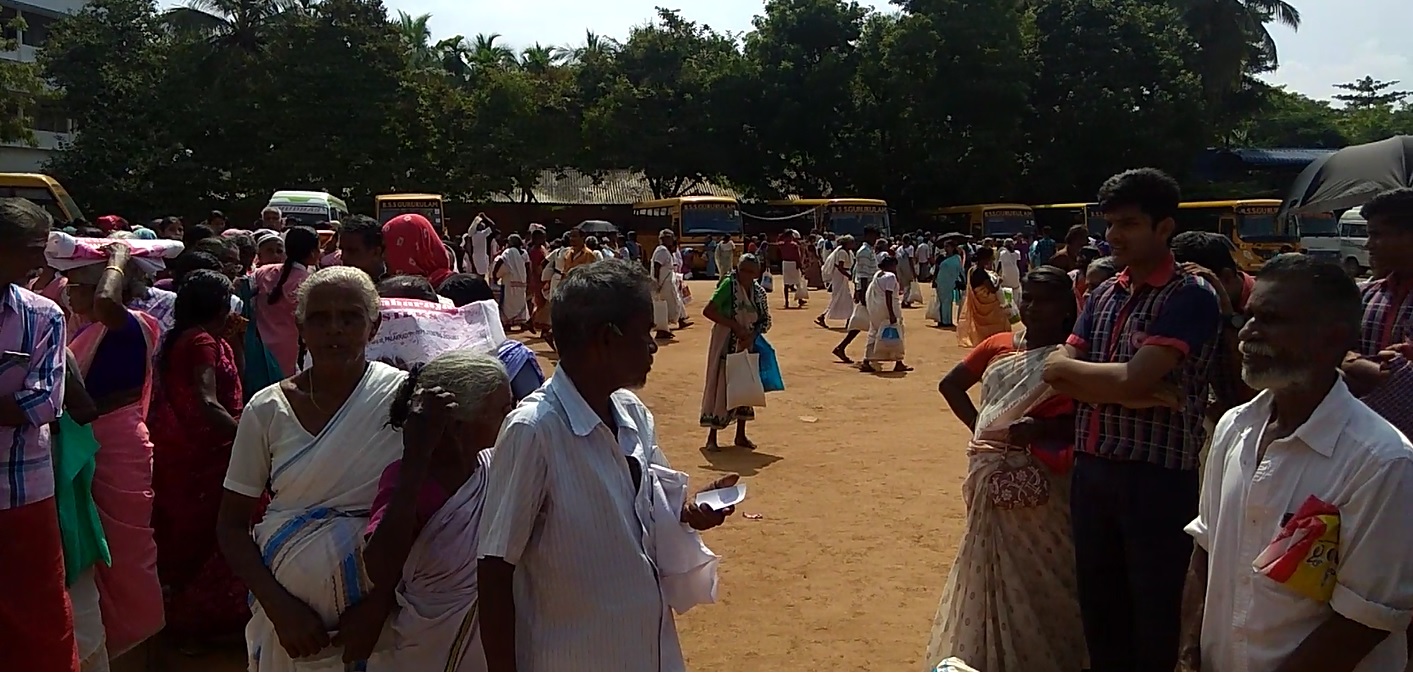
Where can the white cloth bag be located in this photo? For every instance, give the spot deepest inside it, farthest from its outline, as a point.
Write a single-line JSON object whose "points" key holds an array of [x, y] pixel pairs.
{"points": [[858, 320], [660, 314], [743, 386], [934, 309]]}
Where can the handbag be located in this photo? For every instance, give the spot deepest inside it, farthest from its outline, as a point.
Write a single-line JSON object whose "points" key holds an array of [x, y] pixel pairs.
{"points": [[1023, 486], [770, 377], [659, 314], [743, 384], [889, 345], [934, 309]]}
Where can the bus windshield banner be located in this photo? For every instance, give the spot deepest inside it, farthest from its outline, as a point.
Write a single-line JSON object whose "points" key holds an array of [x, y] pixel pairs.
{"points": [[857, 209], [1258, 211], [411, 204]]}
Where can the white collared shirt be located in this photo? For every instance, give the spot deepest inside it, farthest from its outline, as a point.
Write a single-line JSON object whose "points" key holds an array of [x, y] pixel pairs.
{"points": [[1345, 454], [561, 508]]}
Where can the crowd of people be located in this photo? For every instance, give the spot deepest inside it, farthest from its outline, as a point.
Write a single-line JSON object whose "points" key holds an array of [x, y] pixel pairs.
{"points": [[1173, 463], [199, 446]]}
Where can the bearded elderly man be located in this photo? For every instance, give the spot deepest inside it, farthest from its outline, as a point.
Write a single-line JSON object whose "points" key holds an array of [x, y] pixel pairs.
{"points": [[1304, 441], [587, 543]]}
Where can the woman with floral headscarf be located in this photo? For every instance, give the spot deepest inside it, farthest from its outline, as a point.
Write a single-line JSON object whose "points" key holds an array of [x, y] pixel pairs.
{"points": [[412, 247]]}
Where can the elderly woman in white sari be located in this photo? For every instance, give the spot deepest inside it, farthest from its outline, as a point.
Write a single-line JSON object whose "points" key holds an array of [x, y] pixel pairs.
{"points": [[885, 318], [421, 553], [316, 443], [739, 312], [512, 269]]}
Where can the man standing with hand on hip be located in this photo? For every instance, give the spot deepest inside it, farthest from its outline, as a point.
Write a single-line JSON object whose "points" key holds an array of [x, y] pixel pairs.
{"points": [[1138, 364]]}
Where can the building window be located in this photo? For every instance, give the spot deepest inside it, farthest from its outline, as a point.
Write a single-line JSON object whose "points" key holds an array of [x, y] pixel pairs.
{"points": [[7, 20], [48, 118], [37, 29]]}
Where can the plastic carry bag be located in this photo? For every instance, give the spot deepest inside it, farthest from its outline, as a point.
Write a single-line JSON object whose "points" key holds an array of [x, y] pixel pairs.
{"points": [[767, 281], [743, 384], [770, 376], [889, 345], [660, 315]]}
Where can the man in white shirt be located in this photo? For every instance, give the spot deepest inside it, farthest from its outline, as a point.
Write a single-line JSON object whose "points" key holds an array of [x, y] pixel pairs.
{"points": [[581, 505], [1303, 438], [477, 246]]}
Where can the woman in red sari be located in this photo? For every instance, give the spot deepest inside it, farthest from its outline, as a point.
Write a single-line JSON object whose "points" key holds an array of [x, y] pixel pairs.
{"points": [[194, 412]]}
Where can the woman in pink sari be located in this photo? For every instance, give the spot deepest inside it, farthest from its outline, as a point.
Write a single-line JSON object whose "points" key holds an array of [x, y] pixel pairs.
{"points": [[114, 352]]}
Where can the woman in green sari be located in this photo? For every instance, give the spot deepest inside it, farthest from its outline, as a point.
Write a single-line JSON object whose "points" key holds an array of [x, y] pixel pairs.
{"points": [[739, 313]]}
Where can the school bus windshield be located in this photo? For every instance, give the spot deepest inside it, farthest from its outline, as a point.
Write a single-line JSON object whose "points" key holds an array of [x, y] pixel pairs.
{"points": [[711, 218], [1005, 222], [1320, 225], [852, 220], [1259, 224]]}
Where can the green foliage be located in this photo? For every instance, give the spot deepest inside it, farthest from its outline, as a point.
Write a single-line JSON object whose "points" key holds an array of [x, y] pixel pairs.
{"points": [[935, 102]]}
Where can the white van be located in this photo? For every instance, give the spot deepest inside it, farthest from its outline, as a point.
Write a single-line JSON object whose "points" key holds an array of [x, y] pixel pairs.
{"points": [[307, 207], [1353, 234]]}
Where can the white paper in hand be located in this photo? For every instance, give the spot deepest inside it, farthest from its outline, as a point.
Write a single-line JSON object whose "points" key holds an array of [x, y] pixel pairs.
{"points": [[720, 499]]}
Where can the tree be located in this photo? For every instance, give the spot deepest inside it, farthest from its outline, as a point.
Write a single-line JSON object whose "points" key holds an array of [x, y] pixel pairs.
{"points": [[1367, 92], [803, 55], [1235, 47], [244, 25], [416, 34], [1113, 90], [665, 111], [1291, 120], [23, 87]]}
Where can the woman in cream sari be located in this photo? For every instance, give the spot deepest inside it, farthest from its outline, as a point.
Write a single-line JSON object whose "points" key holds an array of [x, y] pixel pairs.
{"points": [[512, 269], [316, 442], [421, 553], [983, 313], [1011, 601], [113, 348], [739, 311]]}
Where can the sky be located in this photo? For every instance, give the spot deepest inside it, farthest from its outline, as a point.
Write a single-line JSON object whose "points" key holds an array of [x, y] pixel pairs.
{"points": [[1340, 40]]}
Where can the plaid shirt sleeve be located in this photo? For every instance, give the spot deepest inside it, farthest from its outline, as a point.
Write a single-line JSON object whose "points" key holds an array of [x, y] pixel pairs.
{"points": [[42, 397]]}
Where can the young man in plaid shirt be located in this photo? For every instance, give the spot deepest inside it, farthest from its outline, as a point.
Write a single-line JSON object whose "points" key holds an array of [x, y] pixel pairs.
{"points": [[1380, 373], [1139, 364]]}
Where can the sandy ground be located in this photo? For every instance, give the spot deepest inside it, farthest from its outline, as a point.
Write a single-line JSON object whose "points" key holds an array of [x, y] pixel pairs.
{"points": [[857, 479]]}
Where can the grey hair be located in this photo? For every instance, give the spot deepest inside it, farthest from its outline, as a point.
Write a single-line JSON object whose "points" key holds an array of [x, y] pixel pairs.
{"points": [[608, 292], [271, 210], [470, 376], [665, 232], [514, 241], [748, 258], [845, 239], [339, 276], [20, 218]]}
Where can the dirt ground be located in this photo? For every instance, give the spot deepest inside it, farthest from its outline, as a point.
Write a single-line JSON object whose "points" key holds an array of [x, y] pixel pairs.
{"points": [[857, 480]]}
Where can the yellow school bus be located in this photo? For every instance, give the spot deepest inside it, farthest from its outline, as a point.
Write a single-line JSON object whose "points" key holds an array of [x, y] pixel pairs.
{"points": [[1251, 225], [693, 219], [427, 204], [984, 220], [838, 215], [44, 191], [1059, 218]]}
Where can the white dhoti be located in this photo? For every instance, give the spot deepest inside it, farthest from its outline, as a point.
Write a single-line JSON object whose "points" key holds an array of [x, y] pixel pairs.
{"points": [[793, 278], [88, 623], [665, 293], [841, 298], [515, 307]]}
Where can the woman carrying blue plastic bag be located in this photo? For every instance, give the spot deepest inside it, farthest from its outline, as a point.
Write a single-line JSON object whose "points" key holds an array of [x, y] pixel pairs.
{"points": [[770, 377], [885, 318], [739, 313]]}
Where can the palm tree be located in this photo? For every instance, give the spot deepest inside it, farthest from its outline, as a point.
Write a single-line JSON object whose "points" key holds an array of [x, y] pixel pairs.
{"points": [[483, 52], [1234, 38], [594, 45], [240, 24], [416, 35], [538, 58]]}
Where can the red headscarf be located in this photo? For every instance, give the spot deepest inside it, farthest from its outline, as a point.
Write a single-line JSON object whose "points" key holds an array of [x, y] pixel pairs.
{"points": [[413, 247], [112, 222]]}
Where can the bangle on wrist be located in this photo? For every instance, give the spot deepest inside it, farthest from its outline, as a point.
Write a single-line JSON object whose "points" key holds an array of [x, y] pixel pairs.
{"points": [[117, 269]]}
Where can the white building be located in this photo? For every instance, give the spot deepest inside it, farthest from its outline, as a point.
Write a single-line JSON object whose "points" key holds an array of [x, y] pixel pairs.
{"points": [[51, 128]]}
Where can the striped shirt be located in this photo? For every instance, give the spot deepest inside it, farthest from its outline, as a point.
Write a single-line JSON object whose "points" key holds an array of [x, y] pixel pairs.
{"points": [[567, 506], [865, 262], [1172, 309], [1388, 321], [34, 326]]}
